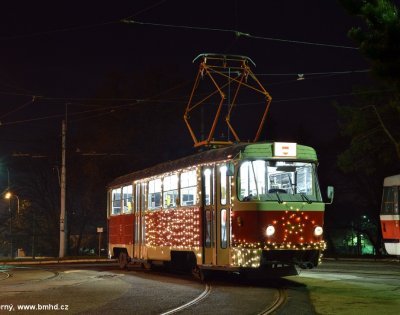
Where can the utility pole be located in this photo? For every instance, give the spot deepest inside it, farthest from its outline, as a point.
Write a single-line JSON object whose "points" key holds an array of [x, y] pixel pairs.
{"points": [[10, 213], [63, 223]]}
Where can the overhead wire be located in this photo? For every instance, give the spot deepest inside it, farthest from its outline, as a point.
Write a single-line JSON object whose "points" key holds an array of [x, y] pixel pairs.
{"points": [[325, 74], [236, 33], [62, 115], [129, 21], [146, 9], [18, 108], [79, 27], [119, 107], [314, 73], [137, 102]]}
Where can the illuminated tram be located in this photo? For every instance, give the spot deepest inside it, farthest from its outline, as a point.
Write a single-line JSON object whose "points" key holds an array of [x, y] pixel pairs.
{"points": [[254, 207], [390, 216]]}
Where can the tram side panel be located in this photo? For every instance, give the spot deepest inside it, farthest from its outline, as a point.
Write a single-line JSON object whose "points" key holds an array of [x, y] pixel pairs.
{"points": [[389, 215], [121, 231], [168, 230], [390, 225]]}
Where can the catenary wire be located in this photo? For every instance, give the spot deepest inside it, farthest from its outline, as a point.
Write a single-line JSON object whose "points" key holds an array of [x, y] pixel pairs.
{"points": [[237, 33], [98, 99], [146, 9], [18, 108], [114, 108]]}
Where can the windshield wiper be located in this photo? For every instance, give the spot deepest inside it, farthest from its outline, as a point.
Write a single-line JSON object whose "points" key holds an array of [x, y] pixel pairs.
{"points": [[277, 197], [303, 195]]}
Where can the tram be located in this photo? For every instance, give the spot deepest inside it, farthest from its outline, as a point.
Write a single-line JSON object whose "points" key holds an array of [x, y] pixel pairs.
{"points": [[390, 216], [247, 207]]}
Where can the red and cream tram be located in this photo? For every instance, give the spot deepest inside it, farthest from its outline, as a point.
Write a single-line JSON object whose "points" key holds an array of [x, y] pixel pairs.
{"points": [[390, 216], [246, 207]]}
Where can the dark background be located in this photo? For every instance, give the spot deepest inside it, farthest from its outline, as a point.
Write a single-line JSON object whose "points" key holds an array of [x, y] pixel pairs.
{"points": [[125, 86]]}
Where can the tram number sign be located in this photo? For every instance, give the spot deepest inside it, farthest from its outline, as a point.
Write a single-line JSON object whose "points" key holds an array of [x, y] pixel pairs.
{"points": [[285, 149]]}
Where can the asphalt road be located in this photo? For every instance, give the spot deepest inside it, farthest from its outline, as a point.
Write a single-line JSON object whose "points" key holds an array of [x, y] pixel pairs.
{"points": [[336, 287]]}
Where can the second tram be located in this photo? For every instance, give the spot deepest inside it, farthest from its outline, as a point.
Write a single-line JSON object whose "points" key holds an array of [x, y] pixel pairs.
{"points": [[390, 216], [244, 208]]}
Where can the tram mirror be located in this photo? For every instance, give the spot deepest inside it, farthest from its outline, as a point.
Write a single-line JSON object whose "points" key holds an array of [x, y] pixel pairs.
{"points": [[230, 169], [330, 192]]}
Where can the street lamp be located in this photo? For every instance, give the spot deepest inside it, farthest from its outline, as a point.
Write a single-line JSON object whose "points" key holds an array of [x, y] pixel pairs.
{"points": [[8, 195]]}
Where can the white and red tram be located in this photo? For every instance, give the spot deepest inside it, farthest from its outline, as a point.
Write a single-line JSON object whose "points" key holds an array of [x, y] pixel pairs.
{"points": [[390, 216], [246, 207]]}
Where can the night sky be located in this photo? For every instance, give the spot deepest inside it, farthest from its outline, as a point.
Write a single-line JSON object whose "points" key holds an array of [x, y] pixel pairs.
{"points": [[63, 52]]}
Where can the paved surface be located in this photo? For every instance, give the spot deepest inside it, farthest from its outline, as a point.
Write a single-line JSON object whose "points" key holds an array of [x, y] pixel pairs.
{"points": [[336, 287]]}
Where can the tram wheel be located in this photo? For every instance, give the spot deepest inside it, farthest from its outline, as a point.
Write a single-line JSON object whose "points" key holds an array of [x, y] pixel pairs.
{"points": [[123, 260], [147, 265], [199, 273]]}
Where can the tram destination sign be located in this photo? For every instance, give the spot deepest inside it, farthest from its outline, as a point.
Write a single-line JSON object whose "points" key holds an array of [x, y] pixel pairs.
{"points": [[285, 149]]}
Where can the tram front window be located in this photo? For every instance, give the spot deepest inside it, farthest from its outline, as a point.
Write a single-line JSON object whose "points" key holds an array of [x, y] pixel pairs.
{"points": [[278, 180], [390, 200]]}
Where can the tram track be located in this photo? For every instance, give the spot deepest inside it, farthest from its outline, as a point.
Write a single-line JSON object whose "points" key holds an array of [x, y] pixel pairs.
{"points": [[4, 275], [196, 300], [7, 273], [279, 301]]}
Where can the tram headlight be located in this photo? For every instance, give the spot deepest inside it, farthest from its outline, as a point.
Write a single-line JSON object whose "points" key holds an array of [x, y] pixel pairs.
{"points": [[318, 231], [270, 230]]}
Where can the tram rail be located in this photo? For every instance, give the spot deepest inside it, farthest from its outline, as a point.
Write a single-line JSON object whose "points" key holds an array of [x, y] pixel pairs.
{"points": [[7, 273], [196, 300], [279, 301], [4, 275]]}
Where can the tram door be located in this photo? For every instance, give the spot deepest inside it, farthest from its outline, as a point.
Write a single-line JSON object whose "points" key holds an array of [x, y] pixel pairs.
{"points": [[208, 216], [140, 222], [216, 222], [223, 187]]}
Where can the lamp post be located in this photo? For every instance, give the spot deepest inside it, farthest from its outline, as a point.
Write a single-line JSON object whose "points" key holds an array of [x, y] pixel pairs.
{"points": [[8, 196]]}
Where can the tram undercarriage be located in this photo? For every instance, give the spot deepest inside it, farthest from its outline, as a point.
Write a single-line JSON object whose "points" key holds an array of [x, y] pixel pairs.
{"points": [[272, 263]]}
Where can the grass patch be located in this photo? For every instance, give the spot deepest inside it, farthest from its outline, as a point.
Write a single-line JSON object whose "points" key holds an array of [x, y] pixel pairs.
{"points": [[346, 297]]}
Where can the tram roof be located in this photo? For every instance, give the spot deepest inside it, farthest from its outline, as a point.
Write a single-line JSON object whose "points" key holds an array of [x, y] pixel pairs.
{"points": [[241, 150], [391, 181]]}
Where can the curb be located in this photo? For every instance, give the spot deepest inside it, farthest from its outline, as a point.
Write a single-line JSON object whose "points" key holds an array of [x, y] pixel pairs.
{"points": [[56, 261]]}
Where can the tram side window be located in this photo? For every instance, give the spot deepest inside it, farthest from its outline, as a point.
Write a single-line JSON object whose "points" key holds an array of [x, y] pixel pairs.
{"points": [[208, 230], [170, 188], [224, 237], [188, 188], [127, 200], [137, 197], [390, 200], [143, 195], [116, 201], [154, 195], [224, 184], [208, 198], [143, 201]]}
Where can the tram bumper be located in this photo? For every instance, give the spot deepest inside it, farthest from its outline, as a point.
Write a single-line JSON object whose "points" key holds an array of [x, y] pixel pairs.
{"points": [[305, 259]]}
